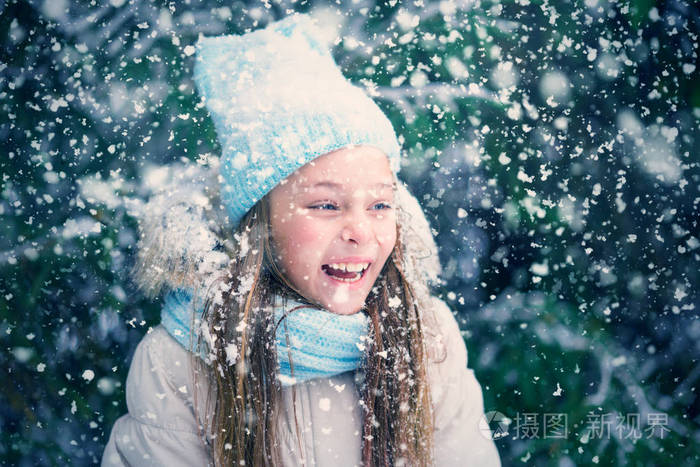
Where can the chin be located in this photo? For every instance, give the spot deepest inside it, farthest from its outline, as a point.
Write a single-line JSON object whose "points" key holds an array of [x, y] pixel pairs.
{"points": [[345, 308], [346, 311], [342, 299]]}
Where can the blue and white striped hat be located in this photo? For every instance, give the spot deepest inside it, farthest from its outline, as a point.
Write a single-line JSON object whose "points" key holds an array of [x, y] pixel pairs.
{"points": [[278, 100]]}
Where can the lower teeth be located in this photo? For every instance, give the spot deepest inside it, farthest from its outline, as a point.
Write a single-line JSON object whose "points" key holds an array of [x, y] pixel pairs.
{"points": [[357, 277]]}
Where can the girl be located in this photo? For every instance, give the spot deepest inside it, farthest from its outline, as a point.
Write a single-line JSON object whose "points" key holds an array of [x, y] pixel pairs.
{"points": [[299, 329]]}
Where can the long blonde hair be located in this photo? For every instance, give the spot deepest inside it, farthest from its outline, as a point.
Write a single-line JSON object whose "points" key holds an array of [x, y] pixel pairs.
{"points": [[243, 397]]}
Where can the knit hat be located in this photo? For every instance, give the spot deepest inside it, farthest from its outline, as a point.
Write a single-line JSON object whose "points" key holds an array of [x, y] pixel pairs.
{"points": [[278, 101]]}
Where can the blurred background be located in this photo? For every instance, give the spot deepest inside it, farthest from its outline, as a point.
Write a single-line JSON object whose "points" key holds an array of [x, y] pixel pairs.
{"points": [[553, 145]]}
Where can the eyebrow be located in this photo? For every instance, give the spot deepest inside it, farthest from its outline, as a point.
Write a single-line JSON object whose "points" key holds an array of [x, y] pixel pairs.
{"points": [[334, 185]]}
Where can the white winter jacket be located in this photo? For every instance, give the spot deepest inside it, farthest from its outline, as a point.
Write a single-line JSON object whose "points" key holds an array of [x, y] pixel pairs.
{"points": [[161, 430], [182, 230]]}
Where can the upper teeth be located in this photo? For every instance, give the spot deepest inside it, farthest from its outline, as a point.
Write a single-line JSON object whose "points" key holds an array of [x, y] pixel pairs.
{"points": [[349, 267]]}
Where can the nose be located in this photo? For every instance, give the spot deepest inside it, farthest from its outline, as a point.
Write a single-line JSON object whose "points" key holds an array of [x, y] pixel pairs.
{"points": [[356, 229]]}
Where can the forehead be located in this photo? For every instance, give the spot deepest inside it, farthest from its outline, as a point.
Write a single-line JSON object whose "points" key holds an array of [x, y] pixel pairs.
{"points": [[357, 165]]}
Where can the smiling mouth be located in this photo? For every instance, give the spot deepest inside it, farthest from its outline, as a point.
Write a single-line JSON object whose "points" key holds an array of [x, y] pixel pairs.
{"points": [[346, 273]]}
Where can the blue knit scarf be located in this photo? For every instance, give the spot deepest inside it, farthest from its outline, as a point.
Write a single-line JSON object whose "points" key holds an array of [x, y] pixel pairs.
{"points": [[311, 343]]}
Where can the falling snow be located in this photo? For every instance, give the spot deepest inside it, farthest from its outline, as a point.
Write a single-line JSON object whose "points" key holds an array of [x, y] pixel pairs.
{"points": [[553, 146]]}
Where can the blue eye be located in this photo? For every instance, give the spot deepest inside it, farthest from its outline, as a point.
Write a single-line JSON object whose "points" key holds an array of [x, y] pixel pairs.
{"points": [[324, 207], [381, 206]]}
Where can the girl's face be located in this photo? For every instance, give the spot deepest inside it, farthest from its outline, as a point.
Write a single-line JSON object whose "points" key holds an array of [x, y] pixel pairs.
{"points": [[334, 226]]}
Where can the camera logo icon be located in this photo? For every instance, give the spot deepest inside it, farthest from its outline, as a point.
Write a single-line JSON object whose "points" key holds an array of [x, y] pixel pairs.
{"points": [[494, 425]]}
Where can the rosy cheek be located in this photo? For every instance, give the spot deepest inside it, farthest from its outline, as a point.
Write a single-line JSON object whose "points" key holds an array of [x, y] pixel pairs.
{"points": [[307, 233], [386, 233], [384, 239], [305, 243]]}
